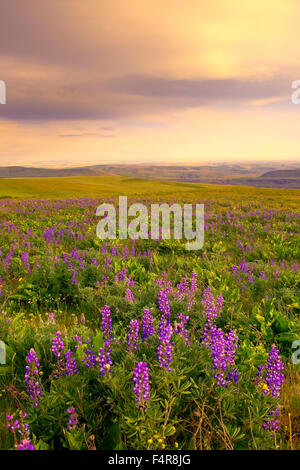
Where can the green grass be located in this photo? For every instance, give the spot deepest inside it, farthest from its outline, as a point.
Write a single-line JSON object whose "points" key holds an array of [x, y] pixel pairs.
{"points": [[105, 186]]}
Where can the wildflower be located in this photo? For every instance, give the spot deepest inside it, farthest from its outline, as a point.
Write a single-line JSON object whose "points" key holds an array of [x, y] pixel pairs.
{"points": [[180, 327], [20, 430], [182, 289], [25, 445], [141, 384], [90, 357], [78, 339], [212, 306], [147, 323], [270, 378], [133, 335], [70, 364], [243, 266], [121, 275], [107, 262], [34, 389], [74, 277], [57, 344], [73, 420], [164, 350], [25, 261], [104, 360], [272, 423], [51, 317], [222, 349], [164, 283], [163, 303], [193, 282], [274, 378], [129, 297], [106, 324]]}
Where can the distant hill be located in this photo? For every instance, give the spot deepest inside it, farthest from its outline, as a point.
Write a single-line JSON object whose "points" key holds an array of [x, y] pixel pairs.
{"points": [[27, 172], [295, 173], [257, 175]]}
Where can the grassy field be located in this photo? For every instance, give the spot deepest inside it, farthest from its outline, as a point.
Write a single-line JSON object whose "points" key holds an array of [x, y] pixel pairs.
{"points": [[106, 186], [90, 325]]}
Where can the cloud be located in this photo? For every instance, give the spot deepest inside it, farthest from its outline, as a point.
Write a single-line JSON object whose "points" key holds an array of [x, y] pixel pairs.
{"points": [[100, 79], [88, 134], [201, 91]]}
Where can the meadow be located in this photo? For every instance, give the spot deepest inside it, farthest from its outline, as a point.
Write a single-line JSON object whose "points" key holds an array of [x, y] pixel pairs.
{"points": [[141, 344]]}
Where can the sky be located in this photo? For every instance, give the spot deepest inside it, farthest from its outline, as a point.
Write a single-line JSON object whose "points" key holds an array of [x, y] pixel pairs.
{"points": [[127, 81]]}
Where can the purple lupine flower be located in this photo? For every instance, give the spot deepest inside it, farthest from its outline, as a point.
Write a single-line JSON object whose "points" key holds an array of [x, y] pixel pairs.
{"points": [[120, 276], [222, 349], [273, 377], [130, 282], [107, 330], [51, 317], [70, 363], [272, 423], [243, 266], [164, 283], [163, 322], [78, 340], [192, 292], [34, 389], [234, 270], [182, 289], [211, 306], [259, 373], [141, 384], [163, 302], [25, 444], [147, 323], [73, 419], [164, 350], [133, 335], [104, 360], [129, 297], [57, 344], [240, 245], [81, 265], [180, 329], [25, 260], [20, 430], [107, 262], [90, 357], [74, 278], [223, 354], [193, 282], [74, 253]]}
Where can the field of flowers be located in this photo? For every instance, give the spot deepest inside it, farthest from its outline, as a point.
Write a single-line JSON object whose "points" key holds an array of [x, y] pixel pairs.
{"points": [[142, 344]]}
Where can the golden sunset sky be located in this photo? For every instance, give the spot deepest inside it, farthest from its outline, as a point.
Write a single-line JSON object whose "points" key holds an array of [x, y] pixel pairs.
{"points": [[100, 81]]}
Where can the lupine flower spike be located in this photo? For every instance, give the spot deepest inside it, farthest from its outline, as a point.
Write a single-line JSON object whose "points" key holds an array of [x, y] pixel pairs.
{"points": [[141, 384]]}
